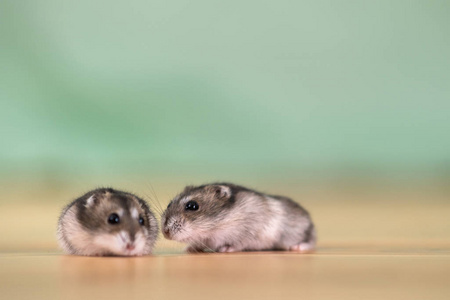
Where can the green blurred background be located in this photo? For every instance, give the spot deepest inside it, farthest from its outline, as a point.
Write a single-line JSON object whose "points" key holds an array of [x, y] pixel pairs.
{"points": [[341, 105], [94, 92]]}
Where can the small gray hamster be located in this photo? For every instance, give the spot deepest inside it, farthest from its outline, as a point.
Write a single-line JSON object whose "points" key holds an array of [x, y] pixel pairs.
{"points": [[224, 217], [106, 222]]}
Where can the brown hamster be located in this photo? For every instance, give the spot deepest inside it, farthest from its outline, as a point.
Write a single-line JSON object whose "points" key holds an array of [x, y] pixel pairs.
{"points": [[224, 217], [107, 222]]}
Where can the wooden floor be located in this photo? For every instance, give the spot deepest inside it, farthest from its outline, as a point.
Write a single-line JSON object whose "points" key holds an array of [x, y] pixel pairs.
{"points": [[402, 274], [384, 246]]}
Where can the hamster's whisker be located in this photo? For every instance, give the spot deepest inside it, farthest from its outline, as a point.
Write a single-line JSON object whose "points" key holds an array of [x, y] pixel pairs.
{"points": [[181, 230], [156, 207], [151, 200], [156, 197], [155, 204], [206, 247]]}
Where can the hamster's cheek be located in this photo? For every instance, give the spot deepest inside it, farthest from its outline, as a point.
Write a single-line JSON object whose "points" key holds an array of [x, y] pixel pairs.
{"points": [[109, 243], [185, 234], [139, 242]]}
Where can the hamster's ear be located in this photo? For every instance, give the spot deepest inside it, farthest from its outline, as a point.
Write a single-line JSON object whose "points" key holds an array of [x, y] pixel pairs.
{"points": [[222, 192], [91, 201]]}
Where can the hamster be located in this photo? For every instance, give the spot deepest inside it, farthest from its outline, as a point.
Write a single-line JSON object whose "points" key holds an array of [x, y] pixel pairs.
{"points": [[224, 217], [107, 222]]}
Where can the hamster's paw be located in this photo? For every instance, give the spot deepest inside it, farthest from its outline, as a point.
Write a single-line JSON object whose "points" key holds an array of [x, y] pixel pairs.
{"points": [[302, 248], [226, 249]]}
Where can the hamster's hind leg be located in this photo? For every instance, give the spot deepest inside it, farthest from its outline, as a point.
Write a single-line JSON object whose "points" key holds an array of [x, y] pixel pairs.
{"points": [[309, 242], [303, 247]]}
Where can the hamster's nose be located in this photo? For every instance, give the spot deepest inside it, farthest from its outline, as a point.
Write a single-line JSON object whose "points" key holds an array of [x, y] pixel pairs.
{"points": [[130, 246], [166, 232]]}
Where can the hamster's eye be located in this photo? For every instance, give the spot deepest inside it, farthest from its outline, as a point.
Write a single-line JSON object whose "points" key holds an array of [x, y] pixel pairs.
{"points": [[192, 205], [113, 219], [141, 221], [169, 205]]}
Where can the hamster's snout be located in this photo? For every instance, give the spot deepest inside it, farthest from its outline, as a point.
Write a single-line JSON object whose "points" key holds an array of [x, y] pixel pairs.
{"points": [[130, 246], [165, 227], [129, 240], [166, 231], [171, 227]]}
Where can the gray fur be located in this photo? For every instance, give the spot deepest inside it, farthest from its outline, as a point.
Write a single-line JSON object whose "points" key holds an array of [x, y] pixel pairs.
{"points": [[83, 227], [234, 218]]}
